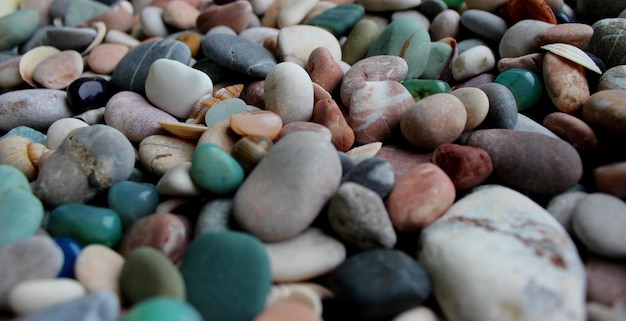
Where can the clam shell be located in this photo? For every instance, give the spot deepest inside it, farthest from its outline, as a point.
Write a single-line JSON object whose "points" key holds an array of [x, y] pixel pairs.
{"points": [[31, 59], [101, 31], [183, 130], [319, 93], [574, 54], [14, 151], [35, 152]]}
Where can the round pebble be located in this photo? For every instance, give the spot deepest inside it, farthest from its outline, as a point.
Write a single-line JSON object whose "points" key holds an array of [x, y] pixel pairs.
{"points": [[289, 92], [60, 129], [600, 230], [98, 268], [59, 70], [103, 58], [132, 201], [33, 295], [162, 309]]}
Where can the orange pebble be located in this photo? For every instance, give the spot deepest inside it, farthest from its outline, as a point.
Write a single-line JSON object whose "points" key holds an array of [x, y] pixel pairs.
{"points": [[257, 123]]}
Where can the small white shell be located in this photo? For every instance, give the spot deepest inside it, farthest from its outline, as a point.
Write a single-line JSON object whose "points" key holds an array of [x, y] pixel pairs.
{"points": [[31, 59], [308, 294], [101, 31], [574, 54]]}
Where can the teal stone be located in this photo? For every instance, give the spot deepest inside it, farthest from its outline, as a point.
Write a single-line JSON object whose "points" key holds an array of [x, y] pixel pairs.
{"points": [[454, 3], [227, 275], [359, 41], [80, 11], [17, 27], [439, 61], [21, 215], [422, 88], [12, 178], [148, 273], [524, 84], [339, 19], [213, 169], [408, 39], [223, 110], [132, 201], [86, 224], [162, 309], [34, 135]]}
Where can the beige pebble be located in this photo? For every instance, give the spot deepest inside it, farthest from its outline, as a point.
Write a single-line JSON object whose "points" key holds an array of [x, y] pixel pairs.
{"points": [[59, 130], [289, 92], [308, 294], [476, 105], [10, 73], [287, 311], [294, 11], [304, 126], [59, 70], [296, 43], [363, 152], [98, 267], [104, 57], [122, 38], [181, 15], [159, 153], [472, 62], [416, 314], [32, 295]]}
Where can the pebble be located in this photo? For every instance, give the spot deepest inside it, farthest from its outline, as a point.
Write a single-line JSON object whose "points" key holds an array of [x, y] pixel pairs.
{"points": [[606, 109], [87, 93], [473, 62], [70, 38], [17, 27], [527, 124], [306, 256], [612, 78], [361, 37], [9, 73], [104, 57], [296, 43], [447, 23], [36, 108], [490, 5], [177, 181], [565, 82], [407, 39], [476, 103], [118, 18], [518, 10], [573, 130], [326, 112], [220, 134], [87, 165], [606, 281], [80, 11], [375, 173], [445, 110], [59, 70], [224, 110], [289, 92], [419, 313], [215, 170], [502, 111], [60, 129], [380, 284], [358, 215], [162, 309], [33, 135], [159, 153], [98, 268], [485, 24], [86, 224], [147, 273], [375, 68], [236, 15], [192, 40], [227, 275], [422, 88], [534, 264], [466, 166], [287, 310], [562, 206], [519, 39], [214, 216], [532, 62], [323, 69], [132, 201], [238, 54], [390, 5], [530, 161], [175, 87], [181, 15], [151, 21], [165, 232], [299, 126], [132, 70], [600, 231], [607, 42], [420, 197], [36, 257], [257, 123], [22, 213], [609, 179], [71, 249], [96, 306], [524, 84], [376, 109], [33, 295], [304, 171], [577, 34]]}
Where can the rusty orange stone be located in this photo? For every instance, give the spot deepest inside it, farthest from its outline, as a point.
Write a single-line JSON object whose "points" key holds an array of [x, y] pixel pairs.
{"points": [[466, 166], [515, 11]]}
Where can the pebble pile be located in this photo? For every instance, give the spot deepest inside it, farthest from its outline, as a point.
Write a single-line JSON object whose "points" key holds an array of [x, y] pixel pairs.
{"points": [[275, 160]]}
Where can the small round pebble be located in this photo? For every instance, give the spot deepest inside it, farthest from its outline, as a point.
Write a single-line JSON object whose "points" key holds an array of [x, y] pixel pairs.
{"points": [[600, 231]]}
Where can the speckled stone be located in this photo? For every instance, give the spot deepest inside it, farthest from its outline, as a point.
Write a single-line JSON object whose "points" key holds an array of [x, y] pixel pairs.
{"points": [[607, 41], [607, 109], [35, 108], [239, 54], [565, 83], [159, 153]]}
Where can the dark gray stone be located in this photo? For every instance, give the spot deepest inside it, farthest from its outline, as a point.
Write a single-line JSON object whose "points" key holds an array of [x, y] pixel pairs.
{"points": [[609, 41], [70, 38], [132, 71], [374, 173], [96, 306], [238, 54], [484, 24], [431, 8], [502, 107], [593, 10], [37, 39], [379, 284]]}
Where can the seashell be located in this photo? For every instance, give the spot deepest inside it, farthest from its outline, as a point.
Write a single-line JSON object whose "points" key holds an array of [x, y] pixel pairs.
{"points": [[31, 59], [101, 31], [364, 152], [207, 101], [309, 294], [232, 91], [574, 54], [249, 151], [183, 130], [23, 154]]}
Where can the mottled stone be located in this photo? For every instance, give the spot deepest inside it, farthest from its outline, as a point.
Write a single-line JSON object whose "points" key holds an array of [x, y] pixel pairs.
{"points": [[159, 153], [36, 108], [466, 166], [577, 34], [323, 69], [473, 62], [239, 54], [402, 159], [607, 41], [326, 112], [565, 82], [612, 78], [607, 110], [375, 68]]}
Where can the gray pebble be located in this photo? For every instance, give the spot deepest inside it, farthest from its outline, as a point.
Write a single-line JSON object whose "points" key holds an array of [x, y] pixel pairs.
{"points": [[484, 24], [562, 207], [238, 54], [599, 221], [431, 8], [613, 78], [502, 106], [100, 305], [214, 216], [70, 38], [374, 173]]}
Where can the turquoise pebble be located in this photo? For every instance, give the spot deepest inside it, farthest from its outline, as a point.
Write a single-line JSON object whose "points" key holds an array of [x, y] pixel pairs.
{"points": [[524, 84], [213, 169], [438, 60], [422, 88], [86, 224], [227, 275], [17, 27], [12, 178], [132, 200], [27, 132], [405, 38], [70, 249], [162, 309], [340, 19], [21, 214]]}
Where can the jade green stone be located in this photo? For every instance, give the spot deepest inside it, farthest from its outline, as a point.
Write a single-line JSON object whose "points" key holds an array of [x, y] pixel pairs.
{"points": [[422, 88], [162, 309], [12, 178], [86, 224], [17, 27], [454, 3], [148, 273], [407, 39], [34, 135], [339, 19], [21, 214], [213, 169], [132, 200], [227, 275], [438, 60], [524, 84], [361, 38]]}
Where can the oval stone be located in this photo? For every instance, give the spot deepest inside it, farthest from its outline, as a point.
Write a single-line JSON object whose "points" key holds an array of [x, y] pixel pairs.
{"points": [[611, 179], [524, 84], [132, 200], [296, 43], [36, 108], [33, 295], [238, 54], [216, 170], [573, 130], [531, 161], [502, 111], [17, 27], [466, 166], [87, 93], [476, 105], [303, 171], [97, 306], [613, 78], [60, 129], [86, 224], [162, 309], [338, 20], [227, 275], [159, 153], [98, 268], [375, 68], [607, 109], [599, 231], [289, 92], [21, 213], [375, 173], [565, 82], [237, 15], [362, 36], [484, 24], [472, 62], [59, 70], [327, 112], [607, 41]]}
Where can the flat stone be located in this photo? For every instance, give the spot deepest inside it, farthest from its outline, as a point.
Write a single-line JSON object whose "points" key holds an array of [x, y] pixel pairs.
{"points": [[159, 153], [239, 54], [518, 40], [80, 11], [565, 82], [340, 19], [256, 123], [70, 38], [35, 108], [599, 231], [577, 34], [473, 62], [96, 306], [98, 268], [17, 27], [33, 295]]}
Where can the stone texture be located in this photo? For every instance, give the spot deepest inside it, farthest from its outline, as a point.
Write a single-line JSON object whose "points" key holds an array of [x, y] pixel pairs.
{"points": [[607, 41], [296, 43], [36, 108], [375, 68], [466, 166], [607, 110], [565, 83], [238, 54]]}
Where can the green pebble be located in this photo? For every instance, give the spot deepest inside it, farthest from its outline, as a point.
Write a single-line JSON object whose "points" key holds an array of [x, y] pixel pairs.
{"points": [[422, 88], [227, 275], [438, 60], [12, 178], [148, 273], [86, 224], [408, 39], [454, 3], [524, 84], [361, 38], [213, 169], [132, 200], [21, 214], [17, 27], [34, 135], [162, 309], [339, 19]]}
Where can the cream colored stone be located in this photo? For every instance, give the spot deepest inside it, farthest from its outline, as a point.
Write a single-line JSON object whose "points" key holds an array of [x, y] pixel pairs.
{"points": [[33, 295]]}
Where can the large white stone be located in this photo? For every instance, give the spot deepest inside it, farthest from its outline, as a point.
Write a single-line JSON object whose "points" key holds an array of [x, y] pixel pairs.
{"points": [[289, 92], [496, 255], [295, 43], [33, 295], [174, 87]]}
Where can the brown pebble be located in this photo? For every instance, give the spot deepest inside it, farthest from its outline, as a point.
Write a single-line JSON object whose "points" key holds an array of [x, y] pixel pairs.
{"points": [[607, 110], [254, 93], [326, 112], [59, 70], [577, 34], [298, 126], [611, 179], [566, 83], [606, 281], [287, 310], [517, 10], [573, 130], [180, 14], [103, 58], [466, 166], [532, 62], [236, 15], [323, 69], [403, 160], [116, 19], [192, 40]]}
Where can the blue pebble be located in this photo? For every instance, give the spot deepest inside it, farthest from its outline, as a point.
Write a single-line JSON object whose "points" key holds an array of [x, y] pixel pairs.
{"points": [[70, 249]]}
